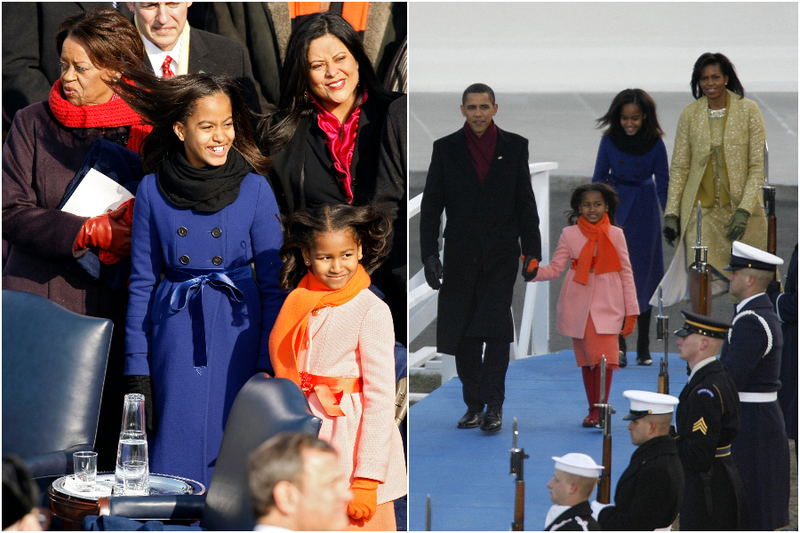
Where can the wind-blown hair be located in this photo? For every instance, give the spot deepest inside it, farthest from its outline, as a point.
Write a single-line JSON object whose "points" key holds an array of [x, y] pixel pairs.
{"points": [[370, 226], [725, 66], [611, 120], [162, 102], [609, 197], [274, 133]]}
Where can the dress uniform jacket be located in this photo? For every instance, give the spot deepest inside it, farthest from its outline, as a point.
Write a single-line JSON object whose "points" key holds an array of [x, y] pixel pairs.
{"points": [[200, 338], [751, 355], [649, 492], [786, 309], [576, 518], [486, 223], [707, 420]]}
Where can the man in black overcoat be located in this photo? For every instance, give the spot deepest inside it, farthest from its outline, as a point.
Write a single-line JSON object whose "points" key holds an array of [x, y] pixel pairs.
{"points": [[649, 493], [707, 420], [751, 355], [479, 177]]}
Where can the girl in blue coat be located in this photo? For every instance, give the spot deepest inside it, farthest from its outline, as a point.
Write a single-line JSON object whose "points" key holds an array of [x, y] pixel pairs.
{"points": [[198, 322], [631, 154]]}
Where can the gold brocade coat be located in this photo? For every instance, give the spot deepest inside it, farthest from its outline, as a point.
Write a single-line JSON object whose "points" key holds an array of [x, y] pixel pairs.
{"points": [[743, 146]]}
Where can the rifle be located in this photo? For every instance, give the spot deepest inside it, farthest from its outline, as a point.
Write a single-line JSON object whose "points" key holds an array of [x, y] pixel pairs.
{"points": [[604, 486], [517, 459], [768, 193], [662, 333], [700, 267]]}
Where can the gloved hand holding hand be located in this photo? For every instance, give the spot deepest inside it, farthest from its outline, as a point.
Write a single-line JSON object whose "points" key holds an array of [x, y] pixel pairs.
{"points": [[627, 327], [672, 228], [530, 266], [737, 225], [107, 232], [433, 271], [365, 499]]}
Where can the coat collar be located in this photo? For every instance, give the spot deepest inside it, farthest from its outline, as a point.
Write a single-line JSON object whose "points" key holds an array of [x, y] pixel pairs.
{"points": [[464, 159]]}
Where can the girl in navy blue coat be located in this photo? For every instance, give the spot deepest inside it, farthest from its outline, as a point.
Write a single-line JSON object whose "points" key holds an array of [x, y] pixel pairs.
{"points": [[198, 322], [631, 154]]}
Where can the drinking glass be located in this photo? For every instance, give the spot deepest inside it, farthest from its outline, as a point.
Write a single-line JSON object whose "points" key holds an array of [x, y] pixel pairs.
{"points": [[85, 467], [135, 480]]}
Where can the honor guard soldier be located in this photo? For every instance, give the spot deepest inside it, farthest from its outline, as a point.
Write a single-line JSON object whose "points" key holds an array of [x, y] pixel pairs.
{"points": [[751, 355], [573, 482], [707, 420], [649, 492]]}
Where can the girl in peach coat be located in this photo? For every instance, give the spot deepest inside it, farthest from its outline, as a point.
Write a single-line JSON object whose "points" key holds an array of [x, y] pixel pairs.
{"points": [[598, 297], [335, 339]]}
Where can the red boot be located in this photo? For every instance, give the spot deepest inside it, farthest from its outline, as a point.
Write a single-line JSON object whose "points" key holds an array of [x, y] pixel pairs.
{"points": [[591, 382]]}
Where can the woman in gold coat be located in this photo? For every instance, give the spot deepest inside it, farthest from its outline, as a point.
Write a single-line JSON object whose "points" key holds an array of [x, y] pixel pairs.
{"points": [[718, 160]]}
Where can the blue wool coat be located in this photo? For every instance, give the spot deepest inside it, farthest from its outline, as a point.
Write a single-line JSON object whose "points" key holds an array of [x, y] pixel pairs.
{"points": [[200, 346], [638, 213]]}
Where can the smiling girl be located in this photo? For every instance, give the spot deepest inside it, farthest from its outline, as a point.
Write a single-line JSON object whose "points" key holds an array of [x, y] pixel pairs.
{"points": [[198, 324], [631, 156], [334, 338]]}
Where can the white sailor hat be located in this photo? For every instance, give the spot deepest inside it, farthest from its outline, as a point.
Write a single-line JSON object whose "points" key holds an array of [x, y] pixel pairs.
{"points": [[579, 464], [645, 403], [746, 256]]}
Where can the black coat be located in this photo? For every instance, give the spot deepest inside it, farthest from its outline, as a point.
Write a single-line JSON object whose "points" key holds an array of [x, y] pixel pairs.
{"points": [[486, 224], [786, 309], [576, 518], [708, 419], [649, 493]]}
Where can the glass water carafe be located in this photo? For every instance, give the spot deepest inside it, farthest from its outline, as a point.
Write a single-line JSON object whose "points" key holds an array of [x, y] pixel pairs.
{"points": [[132, 440]]}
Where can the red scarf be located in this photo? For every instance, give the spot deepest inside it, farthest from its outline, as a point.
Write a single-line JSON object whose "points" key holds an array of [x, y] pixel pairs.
{"points": [[340, 140], [607, 259], [481, 149], [113, 114], [290, 327]]}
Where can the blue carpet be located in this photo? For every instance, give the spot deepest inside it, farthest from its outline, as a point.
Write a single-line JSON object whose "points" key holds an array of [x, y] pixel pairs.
{"points": [[466, 472]]}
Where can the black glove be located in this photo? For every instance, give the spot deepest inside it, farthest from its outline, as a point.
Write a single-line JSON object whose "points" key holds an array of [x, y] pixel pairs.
{"points": [[530, 266], [672, 229], [144, 386], [433, 271]]}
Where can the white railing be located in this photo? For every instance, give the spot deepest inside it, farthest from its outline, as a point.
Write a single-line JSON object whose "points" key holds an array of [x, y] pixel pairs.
{"points": [[533, 335]]}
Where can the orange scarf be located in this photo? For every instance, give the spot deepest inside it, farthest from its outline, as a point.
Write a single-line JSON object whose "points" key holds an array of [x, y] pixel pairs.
{"points": [[607, 259], [290, 327]]}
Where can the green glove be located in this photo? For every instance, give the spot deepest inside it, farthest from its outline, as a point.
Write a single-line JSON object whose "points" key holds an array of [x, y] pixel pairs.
{"points": [[737, 225], [672, 229]]}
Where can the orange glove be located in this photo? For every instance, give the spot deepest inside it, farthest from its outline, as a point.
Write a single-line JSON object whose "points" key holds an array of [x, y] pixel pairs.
{"points": [[107, 232], [530, 266], [630, 323], [365, 499], [109, 258]]}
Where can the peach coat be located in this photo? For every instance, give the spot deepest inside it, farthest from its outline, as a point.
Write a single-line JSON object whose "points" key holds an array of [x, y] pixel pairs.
{"points": [[356, 339], [609, 297]]}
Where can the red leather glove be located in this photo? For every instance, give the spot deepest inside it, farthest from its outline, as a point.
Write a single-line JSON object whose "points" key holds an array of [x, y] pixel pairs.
{"points": [[365, 499], [107, 232], [530, 267], [630, 323]]}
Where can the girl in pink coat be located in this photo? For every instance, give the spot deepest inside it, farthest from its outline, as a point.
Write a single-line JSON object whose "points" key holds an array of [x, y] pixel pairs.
{"points": [[335, 338], [598, 297]]}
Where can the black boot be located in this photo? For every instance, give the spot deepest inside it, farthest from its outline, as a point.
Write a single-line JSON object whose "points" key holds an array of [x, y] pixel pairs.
{"points": [[643, 340], [623, 352]]}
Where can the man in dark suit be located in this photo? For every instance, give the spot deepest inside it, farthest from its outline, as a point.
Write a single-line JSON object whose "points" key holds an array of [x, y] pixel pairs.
{"points": [[649, 492], [751, 355], [707, 420], [479, 175], [174, 48]]}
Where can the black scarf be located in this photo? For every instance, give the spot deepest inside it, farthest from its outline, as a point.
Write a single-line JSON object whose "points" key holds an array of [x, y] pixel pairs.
{"points": [[632, 144], [207, 189]]}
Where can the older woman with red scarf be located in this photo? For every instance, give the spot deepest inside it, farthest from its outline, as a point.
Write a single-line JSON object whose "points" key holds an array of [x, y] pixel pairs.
{"points": [[45, 148]]}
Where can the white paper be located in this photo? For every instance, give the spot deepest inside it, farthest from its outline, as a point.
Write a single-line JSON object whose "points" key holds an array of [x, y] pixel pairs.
{"points": [[96, 194]]}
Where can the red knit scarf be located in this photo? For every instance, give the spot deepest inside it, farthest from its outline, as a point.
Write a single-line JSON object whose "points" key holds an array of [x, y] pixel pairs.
{"points": [[481, 149], [607, 259], [340, 140], [290, 327], [113, 114]]}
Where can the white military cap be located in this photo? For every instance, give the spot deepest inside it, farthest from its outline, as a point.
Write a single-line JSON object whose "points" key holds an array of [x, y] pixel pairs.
{"points": [[746, 256], [579, 464], [645, 403]]}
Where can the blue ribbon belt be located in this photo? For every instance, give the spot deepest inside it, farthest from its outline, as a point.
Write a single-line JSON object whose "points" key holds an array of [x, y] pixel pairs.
{"points": [[190, 291]]}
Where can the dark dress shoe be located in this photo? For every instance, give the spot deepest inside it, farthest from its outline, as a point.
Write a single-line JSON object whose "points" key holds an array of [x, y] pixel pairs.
{"points": [[642, 361], [492, 421], [471, 419]]}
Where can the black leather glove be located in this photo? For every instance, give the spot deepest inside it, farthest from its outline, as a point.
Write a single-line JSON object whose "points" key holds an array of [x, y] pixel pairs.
{"points": [[530, 266], [672, 229], [144, 386], [433, 271]]}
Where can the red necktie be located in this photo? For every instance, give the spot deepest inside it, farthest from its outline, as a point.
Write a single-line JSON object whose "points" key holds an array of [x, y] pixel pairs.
{"points": [[166, 72]]}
